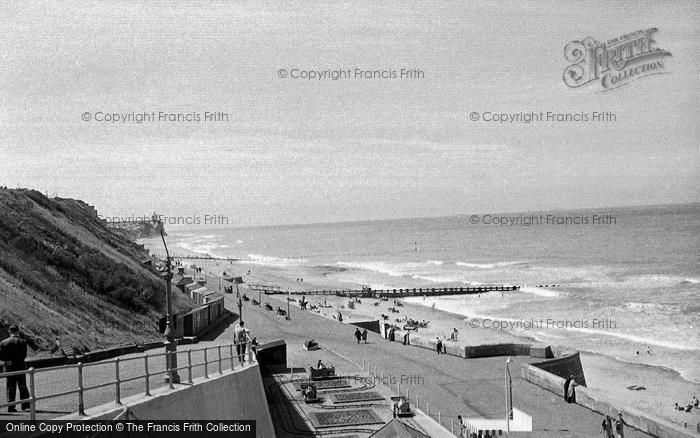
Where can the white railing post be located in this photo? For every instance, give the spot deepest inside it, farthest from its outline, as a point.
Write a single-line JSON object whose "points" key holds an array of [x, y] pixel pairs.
{"points": [[206, 364], [148, 376], [189, 366], [230, 347], [427, 408], [118, 385], [32, 394], [440, 418], [81, 390], [168, 369]]}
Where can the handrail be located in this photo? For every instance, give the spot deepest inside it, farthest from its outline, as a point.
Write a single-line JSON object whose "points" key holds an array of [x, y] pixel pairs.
{"points": [[118, 380]]}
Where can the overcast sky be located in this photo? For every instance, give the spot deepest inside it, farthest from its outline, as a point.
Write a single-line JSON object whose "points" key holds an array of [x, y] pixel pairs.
{"points": [[299, 151]]}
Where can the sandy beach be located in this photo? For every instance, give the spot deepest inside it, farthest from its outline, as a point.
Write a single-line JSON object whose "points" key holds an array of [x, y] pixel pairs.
{"points": [[663, 387]]}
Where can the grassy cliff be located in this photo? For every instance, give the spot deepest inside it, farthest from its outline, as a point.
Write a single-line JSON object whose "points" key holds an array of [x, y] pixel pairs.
{"points": [[65, 276]]}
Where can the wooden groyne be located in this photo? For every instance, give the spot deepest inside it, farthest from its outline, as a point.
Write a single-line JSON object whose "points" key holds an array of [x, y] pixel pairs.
{"points": [[229, 259], [395, 293]]}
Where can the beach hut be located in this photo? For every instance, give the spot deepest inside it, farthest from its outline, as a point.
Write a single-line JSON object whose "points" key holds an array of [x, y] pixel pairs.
{"points": [[197, 294], [190, 287], [180, 281]]}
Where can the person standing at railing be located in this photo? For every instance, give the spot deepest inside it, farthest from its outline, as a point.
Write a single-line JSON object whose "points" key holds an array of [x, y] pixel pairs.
{"points": [[13, 351], [241, 339]]}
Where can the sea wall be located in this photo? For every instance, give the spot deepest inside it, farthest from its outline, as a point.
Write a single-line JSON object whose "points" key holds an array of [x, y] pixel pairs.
{"points": [[597, 402], [237, 394], [457, 348], [565, 363], [372, 326], [491, 350]]}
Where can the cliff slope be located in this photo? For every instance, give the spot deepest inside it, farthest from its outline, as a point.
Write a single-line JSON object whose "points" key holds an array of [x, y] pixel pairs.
{"points": [[65, 276]]}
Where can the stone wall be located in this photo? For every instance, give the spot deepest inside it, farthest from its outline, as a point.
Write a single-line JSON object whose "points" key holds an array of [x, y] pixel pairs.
{"points": [[598, 402]]}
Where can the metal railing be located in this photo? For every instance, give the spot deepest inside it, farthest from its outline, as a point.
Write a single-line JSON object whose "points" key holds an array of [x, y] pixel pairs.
{"points": [[378, 375], [119, 381], [395, 388]]}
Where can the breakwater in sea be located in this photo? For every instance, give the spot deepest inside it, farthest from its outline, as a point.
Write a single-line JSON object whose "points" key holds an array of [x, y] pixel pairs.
{"points": [[380, 293]]}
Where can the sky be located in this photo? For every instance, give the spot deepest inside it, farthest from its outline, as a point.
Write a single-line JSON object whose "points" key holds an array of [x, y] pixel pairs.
{"points": [[301, 151]]}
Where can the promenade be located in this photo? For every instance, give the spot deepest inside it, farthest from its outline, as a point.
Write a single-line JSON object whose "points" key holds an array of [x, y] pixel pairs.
{"points": [[453, 385]]}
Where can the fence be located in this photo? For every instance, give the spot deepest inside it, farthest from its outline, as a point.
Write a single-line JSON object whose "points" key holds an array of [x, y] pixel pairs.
{"points": [[80, 369]]}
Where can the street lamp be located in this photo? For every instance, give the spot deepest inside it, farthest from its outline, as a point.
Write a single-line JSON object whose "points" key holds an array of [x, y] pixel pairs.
{"points": [[171, 375], [509, 395]]}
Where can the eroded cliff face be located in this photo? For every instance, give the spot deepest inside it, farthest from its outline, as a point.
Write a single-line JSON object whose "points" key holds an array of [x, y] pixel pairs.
{"points": [[65, 275]]}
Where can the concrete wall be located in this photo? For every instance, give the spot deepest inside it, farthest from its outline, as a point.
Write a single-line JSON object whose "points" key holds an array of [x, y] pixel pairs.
{"points": [[92, 356], [452, 348], [237, 394], [108, 353], [460, 349], [491, 350], [564, 364], [372, 326], [597, 402]]}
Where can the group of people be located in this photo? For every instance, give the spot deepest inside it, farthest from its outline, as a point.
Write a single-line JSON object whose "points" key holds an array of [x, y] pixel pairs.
{"points": [[694, 403], [614, 429], [361, 335]]}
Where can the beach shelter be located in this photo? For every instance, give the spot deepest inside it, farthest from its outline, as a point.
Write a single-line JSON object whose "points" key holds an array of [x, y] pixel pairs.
{"points": [[398, 429]]}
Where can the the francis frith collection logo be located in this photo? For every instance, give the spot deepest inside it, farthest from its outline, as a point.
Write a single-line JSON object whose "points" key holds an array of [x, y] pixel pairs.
{"points": [[616, 62]]}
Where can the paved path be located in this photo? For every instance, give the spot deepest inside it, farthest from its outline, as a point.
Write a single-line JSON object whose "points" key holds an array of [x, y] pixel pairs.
{"points": [[453, 385]]}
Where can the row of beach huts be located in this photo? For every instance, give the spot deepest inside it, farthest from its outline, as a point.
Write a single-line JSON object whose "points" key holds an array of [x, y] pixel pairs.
{"points": [[211, 306]]}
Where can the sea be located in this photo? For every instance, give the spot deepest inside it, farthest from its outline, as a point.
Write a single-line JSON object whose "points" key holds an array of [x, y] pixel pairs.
{"points": [[625, 285]]}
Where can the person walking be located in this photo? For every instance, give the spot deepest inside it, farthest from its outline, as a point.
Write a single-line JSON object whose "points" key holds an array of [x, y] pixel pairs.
{"points": [[364, 335], [358, 335], [606, 427], [620, 426], [13, 351], [240, 338], [438, 345]]}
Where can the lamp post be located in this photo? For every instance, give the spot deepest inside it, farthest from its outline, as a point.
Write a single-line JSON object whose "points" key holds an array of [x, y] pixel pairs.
{"points": [[289, 296], [171, 375], [509, 395]]}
